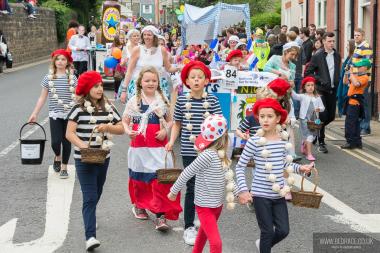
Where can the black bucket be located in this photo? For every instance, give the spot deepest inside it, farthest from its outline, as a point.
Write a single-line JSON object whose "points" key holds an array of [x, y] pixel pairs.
{"points": [[32, 150]]}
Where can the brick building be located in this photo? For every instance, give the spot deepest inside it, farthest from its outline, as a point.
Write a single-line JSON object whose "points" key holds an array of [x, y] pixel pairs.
{"points": [[341, 17]]}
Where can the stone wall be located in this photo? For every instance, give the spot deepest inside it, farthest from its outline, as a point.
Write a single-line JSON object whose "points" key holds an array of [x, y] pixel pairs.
{"points": [[29, 39]]}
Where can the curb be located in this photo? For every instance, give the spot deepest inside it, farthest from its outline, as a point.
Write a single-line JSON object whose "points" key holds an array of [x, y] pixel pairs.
{"points": [[373, 147], [27, 65]]}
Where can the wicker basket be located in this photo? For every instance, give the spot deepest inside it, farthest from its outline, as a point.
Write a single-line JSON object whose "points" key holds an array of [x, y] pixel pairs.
{"points": [[168, 175], [94, 155], [309, 199], [313, 126]]}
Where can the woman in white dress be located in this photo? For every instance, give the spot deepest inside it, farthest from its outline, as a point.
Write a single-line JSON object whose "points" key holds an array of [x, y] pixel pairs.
{"points": [[149, 53]]}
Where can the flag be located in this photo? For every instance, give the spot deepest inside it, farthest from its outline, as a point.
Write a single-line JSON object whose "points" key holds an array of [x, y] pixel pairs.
{"points": [[252, 61], [249, 45]]}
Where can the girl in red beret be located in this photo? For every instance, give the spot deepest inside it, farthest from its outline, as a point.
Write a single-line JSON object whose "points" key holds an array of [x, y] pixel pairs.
{"points": [[147, 121], [269, 149], [311, 106], [58, 86], [189, 112], [235, 59], [92, 116]]}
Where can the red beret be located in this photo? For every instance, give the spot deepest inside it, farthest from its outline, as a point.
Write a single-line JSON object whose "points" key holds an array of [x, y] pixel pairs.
{"points": [[307, 80], [270, 103], [279, 86], [86, 81], [64, 53], [194, 65], [234, 53]]}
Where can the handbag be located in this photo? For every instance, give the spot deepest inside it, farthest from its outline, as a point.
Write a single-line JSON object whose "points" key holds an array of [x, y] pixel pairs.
{"points": [[119, 72], [168, 175], [3, 47], [9, 60]]}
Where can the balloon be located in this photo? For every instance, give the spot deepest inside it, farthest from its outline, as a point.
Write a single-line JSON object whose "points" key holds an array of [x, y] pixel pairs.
{"points": [[116, 53], [110, 62], [180, 17], [182, 8]]}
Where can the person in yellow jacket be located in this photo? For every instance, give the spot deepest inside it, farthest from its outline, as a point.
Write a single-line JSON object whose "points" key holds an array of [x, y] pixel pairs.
{"points": [[261, 49]]}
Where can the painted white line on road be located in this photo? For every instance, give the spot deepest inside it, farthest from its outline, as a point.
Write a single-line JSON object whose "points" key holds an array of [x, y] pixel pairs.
{"points": [[359, 222], [59, 197], [14, 144], [363, 153], [359, 157]]}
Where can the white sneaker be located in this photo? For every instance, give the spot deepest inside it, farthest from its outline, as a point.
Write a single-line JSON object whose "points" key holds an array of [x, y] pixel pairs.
{"points": [[189, 235], [92, 243], [258, 245]]}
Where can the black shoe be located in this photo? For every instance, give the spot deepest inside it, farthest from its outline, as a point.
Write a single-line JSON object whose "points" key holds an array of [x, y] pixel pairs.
{"points": [[322, 148], [359, 146], [347, 146], [57, 166], [63, 174]]}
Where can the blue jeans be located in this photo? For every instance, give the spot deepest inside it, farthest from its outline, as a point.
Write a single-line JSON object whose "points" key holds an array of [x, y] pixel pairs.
{"points": [[296, 103], [189, 208], [365, 123], [91, 178], [272, 218]]}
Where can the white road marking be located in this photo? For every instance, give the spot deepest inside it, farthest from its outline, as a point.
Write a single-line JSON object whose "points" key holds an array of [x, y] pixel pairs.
{"points": [[354, 154], [359, 222], [14, 144], [59, 197], [359, 157]]}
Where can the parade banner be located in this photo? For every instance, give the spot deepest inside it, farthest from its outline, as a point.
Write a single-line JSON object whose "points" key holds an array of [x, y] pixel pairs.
{"points": [[110, 21]]}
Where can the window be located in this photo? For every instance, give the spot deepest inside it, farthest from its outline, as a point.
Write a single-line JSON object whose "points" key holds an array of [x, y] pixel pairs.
{"points": [[147, 9], [320, 13]]}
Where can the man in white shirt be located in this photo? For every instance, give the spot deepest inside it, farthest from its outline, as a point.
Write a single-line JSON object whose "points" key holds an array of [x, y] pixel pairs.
{"points": [[80, 45]]}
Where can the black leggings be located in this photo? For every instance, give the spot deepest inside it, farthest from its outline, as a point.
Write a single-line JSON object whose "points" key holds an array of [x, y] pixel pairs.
{"points": [[58, 133]]}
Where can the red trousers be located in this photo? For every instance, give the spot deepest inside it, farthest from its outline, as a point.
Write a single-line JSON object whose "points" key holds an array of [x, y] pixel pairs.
{"points": [[208, 229]]}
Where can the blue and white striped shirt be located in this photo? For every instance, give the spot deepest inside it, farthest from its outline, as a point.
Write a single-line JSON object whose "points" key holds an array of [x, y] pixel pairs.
{"points": [[209, 181], [249, 123], [197, 111], [261, 186]]}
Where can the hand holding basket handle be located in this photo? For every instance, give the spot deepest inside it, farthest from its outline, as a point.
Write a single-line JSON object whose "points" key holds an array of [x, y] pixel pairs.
{"points": [[94, 155], [168, 175]]}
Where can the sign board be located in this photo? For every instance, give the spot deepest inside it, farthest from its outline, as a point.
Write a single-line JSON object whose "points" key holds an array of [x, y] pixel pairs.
{"points": [[30, 151], [232, 78]]}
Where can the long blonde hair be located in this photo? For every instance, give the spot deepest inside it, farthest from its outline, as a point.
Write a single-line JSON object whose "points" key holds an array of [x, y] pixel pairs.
{"points": [[222, 144], [54, 68], [153, 70]]}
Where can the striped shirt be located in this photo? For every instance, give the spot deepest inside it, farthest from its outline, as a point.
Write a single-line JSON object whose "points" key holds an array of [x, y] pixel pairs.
{"points": [[261, 186], [209, 180], [62, 86], [197, 111], [84, 128], [362, 51], [249, 123]]}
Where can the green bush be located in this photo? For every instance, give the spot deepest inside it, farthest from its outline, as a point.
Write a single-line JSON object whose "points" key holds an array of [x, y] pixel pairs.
{"points": [[63, 15], [266, 18]]}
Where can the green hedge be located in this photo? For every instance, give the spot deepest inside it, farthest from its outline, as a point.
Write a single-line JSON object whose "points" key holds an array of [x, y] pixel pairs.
{"points": [[63, 15], [267, 18]]}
